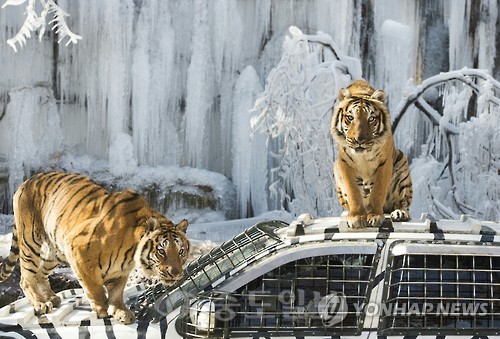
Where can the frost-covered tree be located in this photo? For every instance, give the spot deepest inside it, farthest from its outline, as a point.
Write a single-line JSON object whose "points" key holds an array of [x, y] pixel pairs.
{"points": [[450, 125], [295, 111], [38, 21]]}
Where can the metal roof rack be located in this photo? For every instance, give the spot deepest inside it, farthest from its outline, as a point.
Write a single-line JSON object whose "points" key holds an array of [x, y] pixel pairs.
{"points": [[305, 224]]}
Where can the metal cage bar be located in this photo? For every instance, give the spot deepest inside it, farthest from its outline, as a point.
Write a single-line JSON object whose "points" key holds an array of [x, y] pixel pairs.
{"points": [[296, 298], [448, 293]]}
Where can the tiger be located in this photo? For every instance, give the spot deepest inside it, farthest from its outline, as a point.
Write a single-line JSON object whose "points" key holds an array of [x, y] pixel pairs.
{"points": [[372, 176], [66, 218]]}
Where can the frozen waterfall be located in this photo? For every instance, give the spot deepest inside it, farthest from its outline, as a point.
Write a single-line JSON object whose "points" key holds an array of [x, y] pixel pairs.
{"points": [[174, 84]]}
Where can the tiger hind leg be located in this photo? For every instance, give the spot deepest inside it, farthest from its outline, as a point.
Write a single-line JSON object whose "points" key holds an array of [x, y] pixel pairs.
{"points": [[48, 267], [35, 273], [342, 198], [402, 189], [401, 208]]}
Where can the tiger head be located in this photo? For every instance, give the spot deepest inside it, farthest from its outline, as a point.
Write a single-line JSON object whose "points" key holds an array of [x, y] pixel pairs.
{"points": [[163, 250], [361, 118]]}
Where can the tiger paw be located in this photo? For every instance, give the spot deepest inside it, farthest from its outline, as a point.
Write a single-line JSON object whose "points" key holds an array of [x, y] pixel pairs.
{"points": [[375, 220], [400, 215], [42, 308], [101, 312], [122, 315], [56, 301], [356, 221]]}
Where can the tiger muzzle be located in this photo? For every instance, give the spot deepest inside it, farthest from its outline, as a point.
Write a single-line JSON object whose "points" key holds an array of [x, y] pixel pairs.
{"points": [[171, 273], [359, 143]]}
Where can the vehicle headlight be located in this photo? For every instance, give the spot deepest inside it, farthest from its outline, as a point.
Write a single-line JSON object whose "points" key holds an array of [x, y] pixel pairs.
{"points": [[202, 315]]}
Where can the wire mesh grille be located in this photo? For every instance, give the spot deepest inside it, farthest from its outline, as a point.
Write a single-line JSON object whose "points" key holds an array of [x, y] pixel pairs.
{"points": [[451, 293], [159, 300], [317, 295]]}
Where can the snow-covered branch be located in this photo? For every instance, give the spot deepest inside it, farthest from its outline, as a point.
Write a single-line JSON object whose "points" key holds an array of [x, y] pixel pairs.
{"points": [[465, 75], [59, 24], [35, 21], [462, 133], [435, 117], [295, 112]]}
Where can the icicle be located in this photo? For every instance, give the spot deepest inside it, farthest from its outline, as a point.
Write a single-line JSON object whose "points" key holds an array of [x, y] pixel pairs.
{"points": [[249, 165], [199, 91]]}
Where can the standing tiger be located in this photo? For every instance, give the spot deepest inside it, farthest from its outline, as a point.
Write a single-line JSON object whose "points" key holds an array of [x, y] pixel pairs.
{"points": [[372, 176], [67, 218]]}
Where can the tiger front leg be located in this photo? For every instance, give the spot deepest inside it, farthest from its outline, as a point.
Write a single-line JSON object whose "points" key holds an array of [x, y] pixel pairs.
{"points": [[378, 194], [93, 285], [31, 288], [349, 195], [117, 308]]}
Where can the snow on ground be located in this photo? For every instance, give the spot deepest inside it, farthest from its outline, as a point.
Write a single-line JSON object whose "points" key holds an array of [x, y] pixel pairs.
{"points": [[5, 241]]}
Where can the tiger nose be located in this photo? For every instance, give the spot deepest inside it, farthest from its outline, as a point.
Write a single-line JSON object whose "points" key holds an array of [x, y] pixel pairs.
{"points": [[174, 271], [360, 140]]}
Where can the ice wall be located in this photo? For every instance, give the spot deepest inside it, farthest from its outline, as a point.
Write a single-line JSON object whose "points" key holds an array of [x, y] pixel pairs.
{"points": [[164, 71], [32, 130]]}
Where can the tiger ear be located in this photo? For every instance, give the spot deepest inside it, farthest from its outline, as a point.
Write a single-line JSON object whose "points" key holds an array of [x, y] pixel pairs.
{"points": [[379, 95], [152, 224], [344, 94], [183, 225]]}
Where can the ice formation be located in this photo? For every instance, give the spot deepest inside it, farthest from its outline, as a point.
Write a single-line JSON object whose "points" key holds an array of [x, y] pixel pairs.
{"points": [[35, 21], [32, 131], [174, 80], [249, 171]]}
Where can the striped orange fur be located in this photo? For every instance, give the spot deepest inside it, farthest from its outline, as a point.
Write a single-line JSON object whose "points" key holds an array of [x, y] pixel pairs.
{"points": [[372, 176], [67, 218]]}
